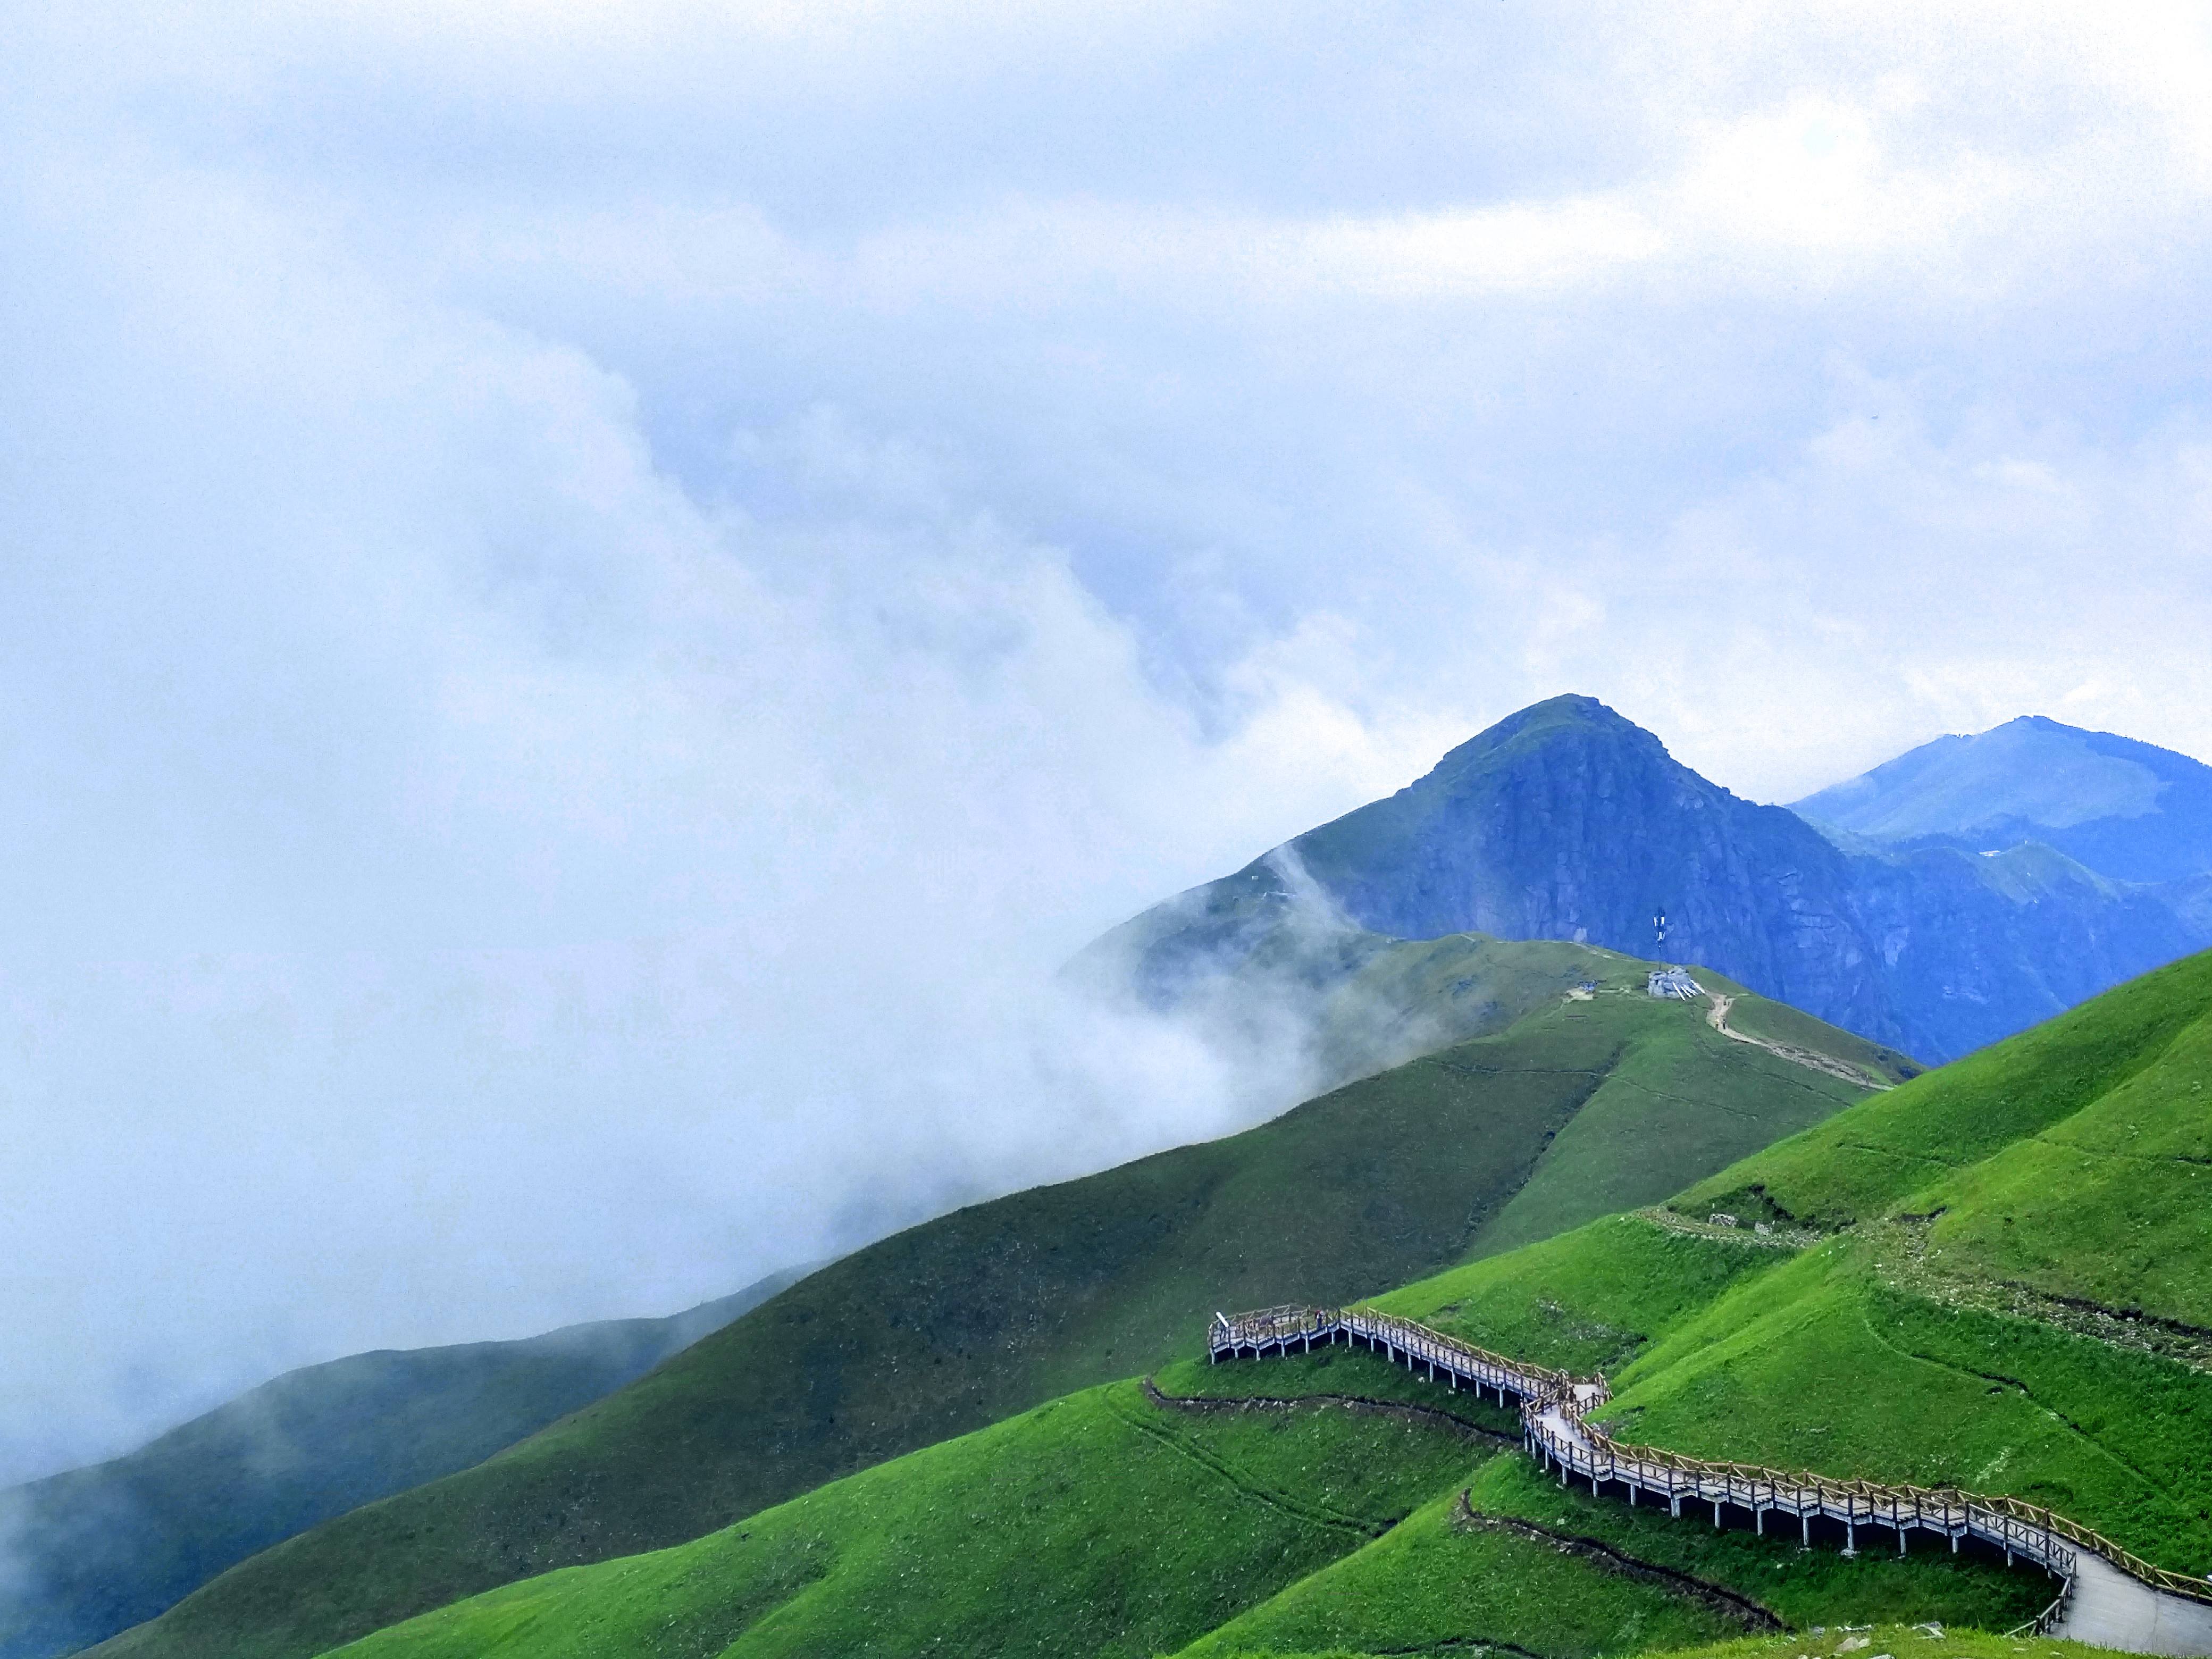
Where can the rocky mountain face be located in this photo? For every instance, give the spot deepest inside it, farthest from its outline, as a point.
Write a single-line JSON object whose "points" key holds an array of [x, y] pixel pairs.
{"points": [[2127, 810], [1567, 822]]}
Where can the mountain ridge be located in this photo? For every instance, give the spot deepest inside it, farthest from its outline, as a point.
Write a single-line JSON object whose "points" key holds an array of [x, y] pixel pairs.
{"points": [[1567, 821], [2126, 809], [95, 1549]]}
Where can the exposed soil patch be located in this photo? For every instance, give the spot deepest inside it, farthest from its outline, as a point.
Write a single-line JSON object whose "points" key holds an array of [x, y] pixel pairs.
{"points": [[1793, 1239], [1429, 1415], [1907, 1263], [1717, 1017], [1725, 1601]]}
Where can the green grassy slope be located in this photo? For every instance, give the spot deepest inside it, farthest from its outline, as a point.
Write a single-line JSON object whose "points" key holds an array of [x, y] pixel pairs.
{"points": [[2013, 1298], [1900, 1641], [1512, 1558], [1575, 1108], [1592, 1300], [1872, 1641], [1970, 1110], [1097, 1524], [1259, 965], [1777, 1022], [1688, 1099], [99, 1549], [2021, 1303], [1108, 1522], [1431, 1586], [2037, 1313], [1955, 1333]]}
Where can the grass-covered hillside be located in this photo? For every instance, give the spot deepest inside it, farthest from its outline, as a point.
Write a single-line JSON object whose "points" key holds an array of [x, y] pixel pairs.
{"points": [[2025, 1257], [1327, 1500], [1100, 1522], [2010, 1293], [1921, 1641], [1589, 1103], [2002, 1291], [97, 1550]]}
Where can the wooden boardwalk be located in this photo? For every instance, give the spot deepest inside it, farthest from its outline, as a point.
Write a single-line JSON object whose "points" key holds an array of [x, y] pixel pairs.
{"points": [[2131, 1595]]}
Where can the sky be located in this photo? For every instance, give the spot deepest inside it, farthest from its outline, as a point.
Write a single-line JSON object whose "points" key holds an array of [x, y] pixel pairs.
{"points": [[593, 596]]}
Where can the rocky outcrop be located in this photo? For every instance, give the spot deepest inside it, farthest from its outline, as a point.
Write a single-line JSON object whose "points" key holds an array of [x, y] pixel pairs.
{"points": [[1567, 822]]}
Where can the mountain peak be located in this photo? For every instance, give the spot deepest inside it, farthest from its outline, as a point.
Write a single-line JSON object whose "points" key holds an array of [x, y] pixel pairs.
{"points": [[1565, 718], [1569, 709], [1567, 821], [2125, 809]]}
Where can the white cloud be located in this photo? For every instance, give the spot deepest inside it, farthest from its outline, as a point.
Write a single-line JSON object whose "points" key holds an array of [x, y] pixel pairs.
{"points": [[595, 594], [483, 885]]}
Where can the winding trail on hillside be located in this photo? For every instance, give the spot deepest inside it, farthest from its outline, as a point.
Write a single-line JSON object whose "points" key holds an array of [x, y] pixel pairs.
{"points": [[2107, 1596], [1717, 1017]]}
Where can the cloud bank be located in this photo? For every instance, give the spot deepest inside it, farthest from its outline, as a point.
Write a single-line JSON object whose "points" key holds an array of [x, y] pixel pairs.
{"points": [[594, 597]]}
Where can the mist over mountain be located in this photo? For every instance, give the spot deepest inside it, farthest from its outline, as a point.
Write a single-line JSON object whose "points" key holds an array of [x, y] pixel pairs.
{"points": [[1573, 1093], [94, 1551], [2128, 809], [1567, 821]]}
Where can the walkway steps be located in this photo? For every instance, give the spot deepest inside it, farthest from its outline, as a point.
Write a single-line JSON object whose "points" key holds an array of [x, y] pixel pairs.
{"points": [[2107, 1596]]}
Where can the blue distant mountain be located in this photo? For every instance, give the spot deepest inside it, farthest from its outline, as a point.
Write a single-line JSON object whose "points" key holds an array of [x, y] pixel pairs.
{"points": [[2128, 809], [1567, 822]]}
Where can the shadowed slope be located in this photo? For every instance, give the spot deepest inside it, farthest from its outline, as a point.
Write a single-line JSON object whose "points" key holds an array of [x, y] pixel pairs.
{"points": [[2124, 809], [1567, 821], [97, 1550]]}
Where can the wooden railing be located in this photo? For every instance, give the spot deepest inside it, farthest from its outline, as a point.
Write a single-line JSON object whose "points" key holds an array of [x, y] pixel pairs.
{"points": [[1280, 1327], [1554, 1404]]}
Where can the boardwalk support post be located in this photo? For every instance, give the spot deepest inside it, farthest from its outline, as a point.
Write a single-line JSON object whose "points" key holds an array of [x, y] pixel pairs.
{"points": [[1556, 1433]]}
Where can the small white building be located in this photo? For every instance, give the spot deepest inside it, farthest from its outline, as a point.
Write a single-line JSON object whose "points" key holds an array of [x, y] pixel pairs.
{"points": [[1674, 983]]}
